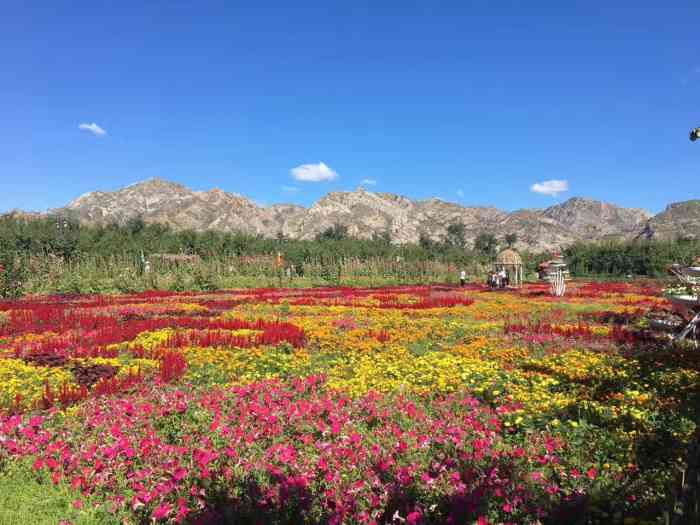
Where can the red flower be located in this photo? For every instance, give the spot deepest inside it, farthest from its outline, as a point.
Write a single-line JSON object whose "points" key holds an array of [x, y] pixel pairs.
{"points": [[38, 464], [162, 511]]}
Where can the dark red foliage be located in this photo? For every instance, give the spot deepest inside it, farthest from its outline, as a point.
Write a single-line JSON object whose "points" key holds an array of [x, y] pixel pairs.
{"points": [[46, 359], [596, 289], [219, 334], [89, 375], [68, 395], [173, 365], [620, 318], [580, 331]]}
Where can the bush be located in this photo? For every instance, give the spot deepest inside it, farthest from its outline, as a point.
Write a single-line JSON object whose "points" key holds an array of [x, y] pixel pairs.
{"points": [[12, 274]]}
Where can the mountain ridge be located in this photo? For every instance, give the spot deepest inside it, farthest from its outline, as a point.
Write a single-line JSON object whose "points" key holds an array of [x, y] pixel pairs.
{"points": [[367, 213]]}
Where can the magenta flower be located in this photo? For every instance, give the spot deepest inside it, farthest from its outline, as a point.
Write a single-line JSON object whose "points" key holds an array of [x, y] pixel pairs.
{"points": [[162, 511]]}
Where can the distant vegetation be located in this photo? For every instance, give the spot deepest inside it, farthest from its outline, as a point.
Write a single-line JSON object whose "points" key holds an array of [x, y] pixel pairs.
{"points": [[59, 255], [617, 259]]}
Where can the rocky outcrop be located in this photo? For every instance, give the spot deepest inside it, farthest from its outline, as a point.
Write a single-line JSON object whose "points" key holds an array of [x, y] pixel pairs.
{"points": [[679, 220], [368, 213]]}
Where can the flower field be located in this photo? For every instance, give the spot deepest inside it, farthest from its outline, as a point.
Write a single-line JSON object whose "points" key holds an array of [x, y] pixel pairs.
{"points": [[401, 405]]}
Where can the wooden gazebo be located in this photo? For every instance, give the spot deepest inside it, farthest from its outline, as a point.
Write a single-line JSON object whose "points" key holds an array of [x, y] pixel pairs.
{"points": [[510, 261]]}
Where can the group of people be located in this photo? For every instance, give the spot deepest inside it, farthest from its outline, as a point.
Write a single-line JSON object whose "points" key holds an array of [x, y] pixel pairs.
{"points": [[498, 279]]}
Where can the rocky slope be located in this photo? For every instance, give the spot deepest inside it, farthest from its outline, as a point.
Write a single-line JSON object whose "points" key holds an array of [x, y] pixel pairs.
{"points": [[678, 220], [366, 213], [591, 219]]}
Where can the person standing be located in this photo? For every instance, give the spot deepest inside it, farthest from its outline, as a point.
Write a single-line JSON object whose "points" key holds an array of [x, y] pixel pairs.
{"points": [[502, 278], [462, 278]]}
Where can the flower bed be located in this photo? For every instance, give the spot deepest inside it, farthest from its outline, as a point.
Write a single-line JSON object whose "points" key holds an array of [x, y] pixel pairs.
{"points": [[340, 405]]}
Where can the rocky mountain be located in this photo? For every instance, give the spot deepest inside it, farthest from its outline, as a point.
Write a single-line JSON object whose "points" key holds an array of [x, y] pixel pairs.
{"points": [[591, 219], [680, 219], [157, 200], [366, 213]]}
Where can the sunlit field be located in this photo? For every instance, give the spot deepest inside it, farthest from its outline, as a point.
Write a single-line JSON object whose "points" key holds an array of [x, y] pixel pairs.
{"points": [[402, 405]]}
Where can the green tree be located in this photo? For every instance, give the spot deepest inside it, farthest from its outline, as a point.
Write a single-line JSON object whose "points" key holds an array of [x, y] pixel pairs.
{"points": [[486, 244], [425, 242], [66, 238], [511, 239], [383, 237], [135, 225], [12, 274], [337, 232], [456, 235]]}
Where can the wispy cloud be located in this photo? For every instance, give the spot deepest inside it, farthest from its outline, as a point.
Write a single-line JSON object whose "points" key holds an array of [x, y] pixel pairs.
{"points": [[313, 173], [550, 187], [290, 189], [460, 193], [368, 182], [92, 128]]}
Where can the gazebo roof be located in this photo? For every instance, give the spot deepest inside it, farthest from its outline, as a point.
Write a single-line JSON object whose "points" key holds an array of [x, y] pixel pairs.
{"points": [[509, 257]]}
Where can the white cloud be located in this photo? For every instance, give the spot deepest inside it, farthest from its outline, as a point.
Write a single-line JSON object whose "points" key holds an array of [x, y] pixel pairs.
{"points": [[368, 182], [313, 173], [550, 187], [93, 128], [460, 193], [290, 189]]}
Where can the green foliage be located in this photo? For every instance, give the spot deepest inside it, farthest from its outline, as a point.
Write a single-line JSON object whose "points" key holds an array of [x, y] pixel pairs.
{"points": [[12, 273], [337, 232], [179, 284], [204, 280], [456, 235], [486, 244], [57, 254], [510, 239], [69, 241], [383, 237], [614, 258], [330, 271], [425, 242], [26, 497]]}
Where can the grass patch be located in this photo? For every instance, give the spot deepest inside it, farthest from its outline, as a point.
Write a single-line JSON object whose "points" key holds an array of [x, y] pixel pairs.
{"points": [[27, 498]]}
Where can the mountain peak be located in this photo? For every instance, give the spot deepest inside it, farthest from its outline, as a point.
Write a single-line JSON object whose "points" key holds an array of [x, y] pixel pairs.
{"points": [[592, 219], [154, 182], [365, 213]]}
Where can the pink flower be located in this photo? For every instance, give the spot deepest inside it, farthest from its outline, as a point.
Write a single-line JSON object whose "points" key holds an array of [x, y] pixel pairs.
{"points": [[179, 474], [77, 504], [414, 518], [162, 511], [592, 473]]}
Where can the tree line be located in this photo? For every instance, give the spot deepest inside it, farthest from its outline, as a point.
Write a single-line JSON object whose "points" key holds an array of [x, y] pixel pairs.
{"points": [[636, 258], [64, 238]]}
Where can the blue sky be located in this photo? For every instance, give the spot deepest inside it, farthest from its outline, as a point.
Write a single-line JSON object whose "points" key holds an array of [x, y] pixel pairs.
{"points": [[472, 102]]}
